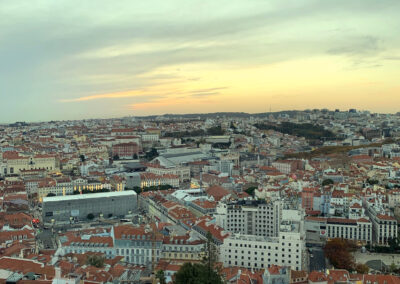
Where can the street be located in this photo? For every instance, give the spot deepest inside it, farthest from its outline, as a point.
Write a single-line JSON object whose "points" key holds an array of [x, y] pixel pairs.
{"points": [[317, 261]]}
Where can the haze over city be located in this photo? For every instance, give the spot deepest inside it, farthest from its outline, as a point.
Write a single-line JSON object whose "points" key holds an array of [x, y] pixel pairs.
{"points": [[72, 60]]}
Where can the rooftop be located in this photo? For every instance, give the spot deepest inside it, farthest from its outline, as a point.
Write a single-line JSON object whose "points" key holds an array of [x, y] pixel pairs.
{"points": [[89, 196]]}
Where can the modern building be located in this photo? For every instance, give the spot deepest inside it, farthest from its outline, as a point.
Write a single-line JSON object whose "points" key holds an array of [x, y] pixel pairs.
{"points": [[259, 252], [250, 217], [62, 208], [320, 228]]}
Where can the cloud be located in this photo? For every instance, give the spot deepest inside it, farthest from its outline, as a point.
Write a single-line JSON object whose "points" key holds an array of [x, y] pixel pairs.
{"points": [[57, 51], [362, 46]]}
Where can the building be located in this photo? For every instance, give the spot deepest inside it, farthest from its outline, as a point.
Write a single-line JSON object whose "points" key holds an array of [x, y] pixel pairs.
{"points": [[16, 163], [384, 228], [182, 248], [318, 228], [136, 244], [62, 208], [260, 252], [183, 172], [250, 217], [125, 150], [288, 166]]}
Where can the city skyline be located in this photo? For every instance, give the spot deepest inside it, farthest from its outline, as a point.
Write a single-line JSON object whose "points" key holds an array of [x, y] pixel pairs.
{"points": [[66, 61]]}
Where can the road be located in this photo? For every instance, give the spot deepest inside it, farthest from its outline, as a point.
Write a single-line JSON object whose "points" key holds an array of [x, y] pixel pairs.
{"points": [[46, 239], [317, 262]]}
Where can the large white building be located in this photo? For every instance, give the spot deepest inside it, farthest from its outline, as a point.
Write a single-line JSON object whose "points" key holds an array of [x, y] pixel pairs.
{"points": [[357, 230], [258, 252], [250, 217], [384, 226]]}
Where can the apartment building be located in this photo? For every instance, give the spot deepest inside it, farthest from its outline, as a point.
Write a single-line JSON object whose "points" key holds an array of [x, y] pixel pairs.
{"points": [[260, 252], [250, 217], [182, 248], [384, 228]]}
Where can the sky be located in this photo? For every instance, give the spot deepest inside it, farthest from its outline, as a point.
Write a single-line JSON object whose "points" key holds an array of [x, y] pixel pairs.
{"points": [[70, 59]]}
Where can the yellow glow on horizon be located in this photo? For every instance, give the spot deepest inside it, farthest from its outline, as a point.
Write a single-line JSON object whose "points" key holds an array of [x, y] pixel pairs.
{"points": [[297, 84]]}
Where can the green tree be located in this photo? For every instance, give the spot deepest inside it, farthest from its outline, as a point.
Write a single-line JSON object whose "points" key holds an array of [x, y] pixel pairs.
{"points": [[393, 244], [82, 157], [217, 130], [392, 267], [372, 181], [150, 155], [135, 156], [327, 182], [51, 194], [90, 216], [161, 276], [116, 157], [251, 190], [196, 274], [95, 260]]}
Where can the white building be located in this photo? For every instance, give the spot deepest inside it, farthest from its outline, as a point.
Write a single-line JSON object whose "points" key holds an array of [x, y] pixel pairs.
{"points": [[258, 252], [250, 217]]}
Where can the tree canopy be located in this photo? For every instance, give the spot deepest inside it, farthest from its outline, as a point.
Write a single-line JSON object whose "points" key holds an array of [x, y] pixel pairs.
{"points": [[196, 274], [201, 273], [327, 182], [338, 252], [95, 260], [307, 130]]}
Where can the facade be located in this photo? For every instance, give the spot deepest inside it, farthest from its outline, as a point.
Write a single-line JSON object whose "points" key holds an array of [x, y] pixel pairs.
{"points": [[258, 252], [125, 150], [357, 230], [150, 179], [62, 208], [250, 217], [183, 172], [320, 228], [16, 164], [384, 228], [182, 248], [136, 244]]}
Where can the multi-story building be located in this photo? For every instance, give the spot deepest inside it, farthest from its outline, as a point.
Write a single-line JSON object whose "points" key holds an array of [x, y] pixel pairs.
{"points": [[182, 171], [260, 252], [250, 217], [288, 166], [15, 163], [125, 150], [136, 244], [62, 208], [182, 248], [384, 228], [151, 179], [358, 230]]}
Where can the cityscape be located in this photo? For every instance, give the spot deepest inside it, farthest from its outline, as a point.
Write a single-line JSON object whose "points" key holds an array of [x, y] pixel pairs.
{"points": [[200, 142], [295, 197]]}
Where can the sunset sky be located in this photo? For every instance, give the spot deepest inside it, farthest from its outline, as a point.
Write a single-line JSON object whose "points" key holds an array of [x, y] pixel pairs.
{"points": [[69, 59]]}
